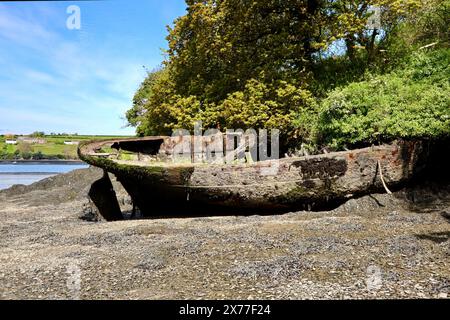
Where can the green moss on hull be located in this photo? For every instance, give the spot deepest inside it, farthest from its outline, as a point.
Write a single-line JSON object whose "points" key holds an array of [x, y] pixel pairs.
{"points": [[155, 173]]}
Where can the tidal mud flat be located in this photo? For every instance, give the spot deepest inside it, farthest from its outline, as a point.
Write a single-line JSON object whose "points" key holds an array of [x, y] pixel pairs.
{"points": [[378, 246]]}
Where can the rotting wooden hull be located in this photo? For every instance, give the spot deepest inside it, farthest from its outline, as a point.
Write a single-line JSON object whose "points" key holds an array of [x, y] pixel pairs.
{"points": [[287, 184]]}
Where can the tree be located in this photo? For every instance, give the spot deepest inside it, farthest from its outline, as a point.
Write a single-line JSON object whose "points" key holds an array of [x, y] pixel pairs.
{"points": [[38, 134], [24, 150], [37, 156], [24, 147], [268, 64], [4, 152], [141, 97], [219, 52], [220, 45]]}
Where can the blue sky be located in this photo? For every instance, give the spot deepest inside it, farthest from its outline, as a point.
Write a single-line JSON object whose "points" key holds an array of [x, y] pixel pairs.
{"points": [[54, 79]]}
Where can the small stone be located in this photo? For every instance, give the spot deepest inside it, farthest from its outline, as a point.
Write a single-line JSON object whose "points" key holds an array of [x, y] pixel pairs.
{"points": [[442, 295]]}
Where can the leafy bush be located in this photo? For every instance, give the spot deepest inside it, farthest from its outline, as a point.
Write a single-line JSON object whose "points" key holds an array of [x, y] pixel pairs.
{"points": [[412, 102], [26, 155]]}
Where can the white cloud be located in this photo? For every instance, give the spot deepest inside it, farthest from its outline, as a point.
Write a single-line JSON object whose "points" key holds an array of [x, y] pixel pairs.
{"points": [[39, 77], [22, 31]]}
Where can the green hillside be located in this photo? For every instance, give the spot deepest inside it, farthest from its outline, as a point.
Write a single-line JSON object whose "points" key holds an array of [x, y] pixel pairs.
{"points": [[53, 148]]}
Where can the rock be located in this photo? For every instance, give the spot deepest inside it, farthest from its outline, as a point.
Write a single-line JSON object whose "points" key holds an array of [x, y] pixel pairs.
{"points": [[442, 295]]}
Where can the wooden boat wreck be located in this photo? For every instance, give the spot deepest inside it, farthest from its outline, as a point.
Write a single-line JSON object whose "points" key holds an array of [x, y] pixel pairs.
{"points": [[158, 185]]}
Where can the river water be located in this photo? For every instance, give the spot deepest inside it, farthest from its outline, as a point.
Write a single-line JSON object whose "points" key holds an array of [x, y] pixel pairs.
{"points": [[31, 172]]}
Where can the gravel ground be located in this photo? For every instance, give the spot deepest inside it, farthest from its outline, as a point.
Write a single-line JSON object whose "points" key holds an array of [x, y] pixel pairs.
{"points": [[377, 246]]}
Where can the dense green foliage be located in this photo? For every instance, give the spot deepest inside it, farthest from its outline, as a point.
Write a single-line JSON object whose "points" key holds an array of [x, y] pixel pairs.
{"points": [[410, 102], [313, 69]]}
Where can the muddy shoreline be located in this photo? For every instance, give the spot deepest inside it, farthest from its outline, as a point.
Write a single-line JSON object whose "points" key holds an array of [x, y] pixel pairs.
{"points": [[378, 246]]}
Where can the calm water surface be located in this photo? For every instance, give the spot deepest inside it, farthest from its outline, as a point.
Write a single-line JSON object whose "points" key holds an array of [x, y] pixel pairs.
{"points": [[31, 172]]}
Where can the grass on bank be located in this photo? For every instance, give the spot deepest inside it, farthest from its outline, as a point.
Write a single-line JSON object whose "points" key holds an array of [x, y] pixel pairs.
{"points": [[54, 148]]}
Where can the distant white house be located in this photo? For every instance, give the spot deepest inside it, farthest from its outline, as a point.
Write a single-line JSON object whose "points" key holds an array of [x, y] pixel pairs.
{"points": [[72, 143], [11, 141]]}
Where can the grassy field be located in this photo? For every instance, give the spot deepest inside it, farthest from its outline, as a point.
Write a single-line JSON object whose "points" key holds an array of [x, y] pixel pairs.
{"points": [[54, 148]]}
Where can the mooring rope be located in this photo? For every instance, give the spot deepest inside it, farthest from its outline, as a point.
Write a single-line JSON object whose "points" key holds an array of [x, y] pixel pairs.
{"points": [[382, 178]]}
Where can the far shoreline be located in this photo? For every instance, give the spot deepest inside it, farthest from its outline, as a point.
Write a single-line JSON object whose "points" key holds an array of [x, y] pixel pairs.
{"points": [[43, 161]]}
